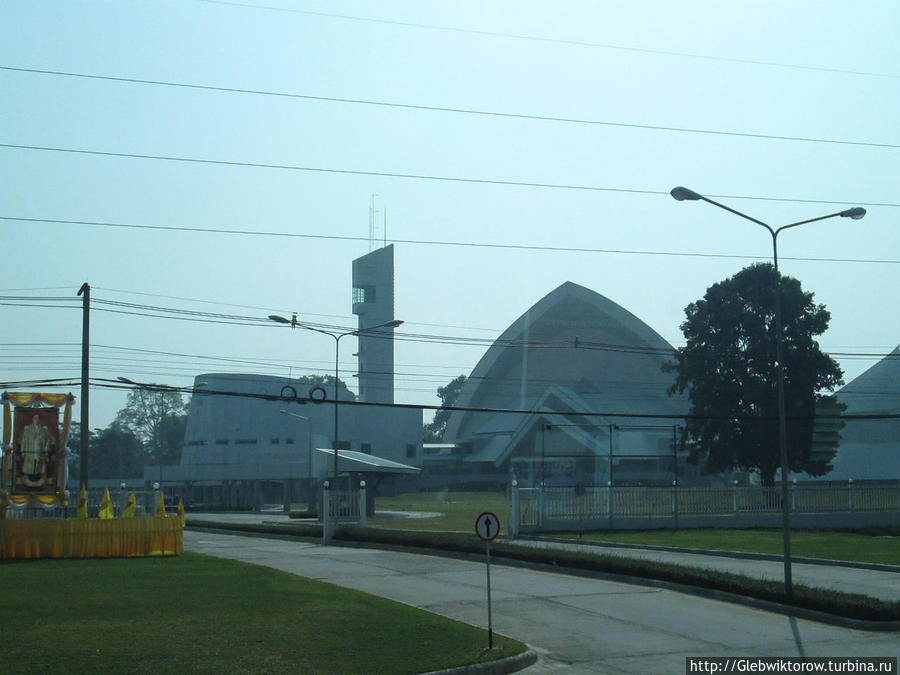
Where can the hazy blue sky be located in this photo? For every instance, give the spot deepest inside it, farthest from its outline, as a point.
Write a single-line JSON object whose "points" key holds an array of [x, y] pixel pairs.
{"points": [[642, 73]]}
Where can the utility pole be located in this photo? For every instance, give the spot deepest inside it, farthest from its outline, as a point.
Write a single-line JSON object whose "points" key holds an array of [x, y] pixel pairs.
{"points": [[85, 292]]}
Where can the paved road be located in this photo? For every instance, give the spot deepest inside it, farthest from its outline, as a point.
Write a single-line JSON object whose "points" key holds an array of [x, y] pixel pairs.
{"points": [[577, 625], [874, 583]]}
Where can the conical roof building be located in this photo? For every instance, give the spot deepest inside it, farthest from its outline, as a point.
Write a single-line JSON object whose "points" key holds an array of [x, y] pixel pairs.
{"points": [[870, 445], [549, 395]]}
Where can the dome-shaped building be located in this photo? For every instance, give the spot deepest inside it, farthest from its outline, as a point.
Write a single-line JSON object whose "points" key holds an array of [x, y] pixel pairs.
{"points": [[573, 392], [870, 440]]}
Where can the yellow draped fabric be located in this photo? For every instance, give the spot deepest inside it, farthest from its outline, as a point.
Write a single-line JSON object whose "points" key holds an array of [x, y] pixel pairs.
{"points": [[28, 399], [92, 538], [106, 509], [161, 506], [130, 506], [181, 512]]}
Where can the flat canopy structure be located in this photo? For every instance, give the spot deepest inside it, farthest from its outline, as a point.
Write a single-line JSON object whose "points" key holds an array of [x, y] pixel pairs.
{"points": [[350, 461]]}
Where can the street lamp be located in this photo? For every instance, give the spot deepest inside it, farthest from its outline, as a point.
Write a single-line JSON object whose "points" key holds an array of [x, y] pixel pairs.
{"points": [[337, 346], [684, 194], [309, 499]]}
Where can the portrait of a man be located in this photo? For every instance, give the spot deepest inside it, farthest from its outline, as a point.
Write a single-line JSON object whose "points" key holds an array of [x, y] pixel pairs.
{"points": [[35, 450]]}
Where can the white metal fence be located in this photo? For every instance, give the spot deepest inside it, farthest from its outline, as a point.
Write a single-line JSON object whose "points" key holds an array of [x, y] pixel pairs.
{"points": [[557, 507], [342, 506]]}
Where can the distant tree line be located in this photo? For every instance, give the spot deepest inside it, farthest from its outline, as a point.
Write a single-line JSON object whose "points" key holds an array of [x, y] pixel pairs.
{"points": [[149, 430]]}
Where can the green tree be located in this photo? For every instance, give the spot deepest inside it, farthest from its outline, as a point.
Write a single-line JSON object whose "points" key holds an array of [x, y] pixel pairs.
{"points": [[73, 453], [728, 366], [147, 414], [434, 431], [115, 452], [306, 382]]}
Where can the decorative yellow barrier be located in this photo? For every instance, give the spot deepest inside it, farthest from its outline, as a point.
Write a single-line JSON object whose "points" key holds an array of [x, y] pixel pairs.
{"points": [[90, 538]]}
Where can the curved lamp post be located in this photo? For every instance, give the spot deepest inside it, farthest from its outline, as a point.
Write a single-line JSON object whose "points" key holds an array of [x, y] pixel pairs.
{"points": [[337, 345], [684, 194]]}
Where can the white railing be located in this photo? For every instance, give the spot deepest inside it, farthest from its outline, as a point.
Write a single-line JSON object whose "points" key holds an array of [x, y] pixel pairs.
{"points": [[537, 507], [342, 506]]}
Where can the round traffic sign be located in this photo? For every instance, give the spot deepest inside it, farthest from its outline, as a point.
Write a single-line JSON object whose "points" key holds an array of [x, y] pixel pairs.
{"points": [[487, 526]]}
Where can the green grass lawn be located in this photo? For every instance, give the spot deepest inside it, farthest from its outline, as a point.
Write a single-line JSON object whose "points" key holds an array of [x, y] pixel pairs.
{"points": [[812, 544], [459, 509], [195, 613]]}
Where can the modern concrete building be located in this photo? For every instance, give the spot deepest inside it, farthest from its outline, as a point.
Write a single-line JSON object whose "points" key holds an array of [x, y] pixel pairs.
{"points": [[373, 303], [242, 448], [584, 377], [870, 445]]}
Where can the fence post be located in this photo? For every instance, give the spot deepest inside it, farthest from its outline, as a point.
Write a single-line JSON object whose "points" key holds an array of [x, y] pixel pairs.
{"points": [[675, 502], [851, 501], [734, 493], [541, 506], [516, 511], [794, 495], [609, 502], [362, 503], [326, 512]]}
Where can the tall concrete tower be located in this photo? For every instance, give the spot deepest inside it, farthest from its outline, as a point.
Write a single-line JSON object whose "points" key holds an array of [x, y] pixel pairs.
{"points": [[373, 303]]}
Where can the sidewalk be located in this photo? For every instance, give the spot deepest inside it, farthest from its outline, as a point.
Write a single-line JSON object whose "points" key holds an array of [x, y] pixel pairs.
{"points": [[882, 583]]}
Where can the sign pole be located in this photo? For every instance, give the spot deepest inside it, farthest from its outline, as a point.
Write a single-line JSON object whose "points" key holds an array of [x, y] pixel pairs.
{"points": [[490, 623], [487, 527]]}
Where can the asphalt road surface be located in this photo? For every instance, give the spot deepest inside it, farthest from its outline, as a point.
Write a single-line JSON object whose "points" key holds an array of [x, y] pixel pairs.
{"points": [[577, 625]]}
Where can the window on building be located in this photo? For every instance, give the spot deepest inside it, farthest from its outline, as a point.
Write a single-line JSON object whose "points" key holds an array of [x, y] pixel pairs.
{"points": [[410, 449], [366, 448], [246, 441], [222, 442], [363, 294], [289, 441]]}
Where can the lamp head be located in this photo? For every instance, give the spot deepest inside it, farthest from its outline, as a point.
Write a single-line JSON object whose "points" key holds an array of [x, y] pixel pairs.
{"points": [[278, 319], [393, 324], [682, 193], [856, 213]]}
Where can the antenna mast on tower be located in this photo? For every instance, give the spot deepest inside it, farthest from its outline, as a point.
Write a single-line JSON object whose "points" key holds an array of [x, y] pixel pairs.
{"points": [[372, 213]]}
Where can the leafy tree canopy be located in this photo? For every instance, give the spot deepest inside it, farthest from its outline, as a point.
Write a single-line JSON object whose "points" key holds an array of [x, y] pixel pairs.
{"points": [[728, 366], [327, 383], [146, 414], [115, 452], [434, 431]]}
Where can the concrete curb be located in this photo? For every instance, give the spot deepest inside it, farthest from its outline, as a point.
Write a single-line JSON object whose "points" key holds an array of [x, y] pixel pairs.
{"points": [[740, 555], [511, 664]]}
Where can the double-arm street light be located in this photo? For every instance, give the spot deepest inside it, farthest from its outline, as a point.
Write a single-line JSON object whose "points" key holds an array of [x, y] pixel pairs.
{"points": [[684, 194], [337, 346]]}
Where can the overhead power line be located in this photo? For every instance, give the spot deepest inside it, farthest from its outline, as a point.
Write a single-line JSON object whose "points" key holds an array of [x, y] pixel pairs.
{"points": [[551, 40], [429, 242], [449, 109], [412, 176]]}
